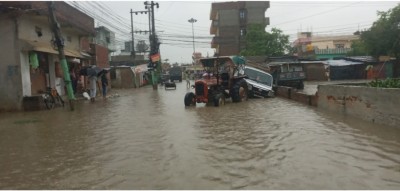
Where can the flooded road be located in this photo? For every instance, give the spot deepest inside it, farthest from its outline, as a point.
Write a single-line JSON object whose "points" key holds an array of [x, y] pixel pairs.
{"points": [[147, 139]]}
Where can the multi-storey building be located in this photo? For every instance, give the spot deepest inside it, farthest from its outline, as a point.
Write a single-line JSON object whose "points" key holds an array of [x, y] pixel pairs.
{"points": [[230, 21], [323, 47], [106, 38]]}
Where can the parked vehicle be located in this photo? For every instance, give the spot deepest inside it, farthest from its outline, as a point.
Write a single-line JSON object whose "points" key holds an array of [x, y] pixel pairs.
{"points": [[164, 78], [169, 85], [175, 73], [224, 78], [258, 82], [291, 74]]}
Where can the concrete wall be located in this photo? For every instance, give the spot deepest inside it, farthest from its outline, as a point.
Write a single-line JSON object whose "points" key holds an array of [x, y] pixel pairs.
{"points": [[293, 94], [26, 31], [124, 78], [10, 69], [66, 14], [378, 105], [228, 17], [256, 11]]}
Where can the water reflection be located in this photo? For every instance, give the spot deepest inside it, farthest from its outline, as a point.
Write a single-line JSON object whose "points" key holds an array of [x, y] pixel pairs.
{"points": [[147, 139]]}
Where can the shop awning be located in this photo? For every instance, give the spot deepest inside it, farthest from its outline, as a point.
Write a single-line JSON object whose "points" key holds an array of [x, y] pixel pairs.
{"points": [[46, 47], [86, 54]]}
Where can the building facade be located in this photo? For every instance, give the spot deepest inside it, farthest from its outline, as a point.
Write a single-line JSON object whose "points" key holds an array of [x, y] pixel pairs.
{"points": [[30, 61], [323, 47], [105, 38], [230, 21]]}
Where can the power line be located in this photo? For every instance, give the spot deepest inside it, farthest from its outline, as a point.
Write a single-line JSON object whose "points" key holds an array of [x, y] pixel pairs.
{"points": [[320, 13]]}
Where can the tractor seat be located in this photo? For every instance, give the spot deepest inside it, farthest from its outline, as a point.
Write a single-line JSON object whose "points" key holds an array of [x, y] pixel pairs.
{"points": [[225, 79]]}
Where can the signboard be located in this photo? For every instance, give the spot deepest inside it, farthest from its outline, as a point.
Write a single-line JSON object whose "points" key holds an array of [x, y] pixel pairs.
{"points": [[155, 57], [141, 68]]}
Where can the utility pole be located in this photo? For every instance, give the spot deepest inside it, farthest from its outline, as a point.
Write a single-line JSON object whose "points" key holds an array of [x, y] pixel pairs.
{"points": [[55, 26], [133, 54], [193, 21], [154, 51]]}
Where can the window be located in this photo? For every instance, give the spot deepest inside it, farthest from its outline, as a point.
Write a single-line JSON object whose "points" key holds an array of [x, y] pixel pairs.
{"points": [[339, 45], [69, 39], [38, 31], [242, 14], [108, 39], [242, 32]]}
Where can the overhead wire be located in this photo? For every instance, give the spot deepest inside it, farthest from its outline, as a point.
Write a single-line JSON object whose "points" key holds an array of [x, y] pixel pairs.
{"points": [[179, 36], [316, 14]]}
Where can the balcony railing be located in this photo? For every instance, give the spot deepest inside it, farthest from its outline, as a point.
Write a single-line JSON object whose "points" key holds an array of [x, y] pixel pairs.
{"points": [[333, 51]]}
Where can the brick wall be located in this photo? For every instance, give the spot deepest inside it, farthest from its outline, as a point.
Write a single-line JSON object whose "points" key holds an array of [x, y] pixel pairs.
{"points": [[101, 56], [85, 44]]}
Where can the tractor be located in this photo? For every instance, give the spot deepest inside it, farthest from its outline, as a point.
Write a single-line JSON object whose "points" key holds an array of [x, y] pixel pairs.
{"points": [[223, 78]]}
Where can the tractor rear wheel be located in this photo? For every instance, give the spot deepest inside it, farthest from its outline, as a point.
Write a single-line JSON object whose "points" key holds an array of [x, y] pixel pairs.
{"points": [[219, 100], [189, 99], [240, 91]]}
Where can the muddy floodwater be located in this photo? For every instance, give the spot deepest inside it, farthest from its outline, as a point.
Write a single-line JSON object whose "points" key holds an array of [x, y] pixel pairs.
{"points": [[145, 139]]}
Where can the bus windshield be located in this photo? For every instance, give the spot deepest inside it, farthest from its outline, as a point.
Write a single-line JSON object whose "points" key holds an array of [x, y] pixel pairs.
{"points": [[260, 77]]}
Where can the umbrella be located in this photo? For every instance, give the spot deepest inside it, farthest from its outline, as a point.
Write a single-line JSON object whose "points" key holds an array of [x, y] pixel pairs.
{"points": [[239, 60], [103, 71], [93, 71]]}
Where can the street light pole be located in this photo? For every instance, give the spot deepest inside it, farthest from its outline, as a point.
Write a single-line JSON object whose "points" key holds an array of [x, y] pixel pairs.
{"points": [[193, 21]]}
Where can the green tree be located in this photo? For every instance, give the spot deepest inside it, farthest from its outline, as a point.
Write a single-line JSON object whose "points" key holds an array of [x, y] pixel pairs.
{"points": [[383, 38], [358, 49], [261, 43]]}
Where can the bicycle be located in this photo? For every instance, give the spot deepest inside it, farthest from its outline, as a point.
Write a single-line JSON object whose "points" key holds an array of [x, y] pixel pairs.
{"points": [[51, 98]]}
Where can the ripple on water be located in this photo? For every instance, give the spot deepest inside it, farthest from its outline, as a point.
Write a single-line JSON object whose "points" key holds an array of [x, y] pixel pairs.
{"points": [[147, 139]]}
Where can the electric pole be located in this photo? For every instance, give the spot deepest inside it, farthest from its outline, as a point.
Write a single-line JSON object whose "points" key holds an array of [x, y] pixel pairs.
{"points": [[154, 55], [133, 54], [55, 26]]}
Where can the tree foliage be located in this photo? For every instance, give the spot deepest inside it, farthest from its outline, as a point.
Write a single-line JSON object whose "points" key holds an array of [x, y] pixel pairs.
{"points": [[383, 38], [262, 43], [358, 49]]}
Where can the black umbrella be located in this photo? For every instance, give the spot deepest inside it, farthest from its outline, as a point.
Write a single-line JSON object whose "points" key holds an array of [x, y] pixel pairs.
{"points": [[90, 71], [103, 71]]}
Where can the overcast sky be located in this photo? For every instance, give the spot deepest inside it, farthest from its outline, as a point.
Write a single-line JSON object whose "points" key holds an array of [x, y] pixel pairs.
{"points": [[319, 17]]}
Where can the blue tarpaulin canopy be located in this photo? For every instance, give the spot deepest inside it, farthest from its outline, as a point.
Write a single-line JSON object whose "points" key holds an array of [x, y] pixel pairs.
{"points": [[238, 60]]}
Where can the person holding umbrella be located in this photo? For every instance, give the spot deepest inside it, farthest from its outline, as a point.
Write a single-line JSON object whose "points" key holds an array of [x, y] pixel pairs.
{"points": [[92, 74]]}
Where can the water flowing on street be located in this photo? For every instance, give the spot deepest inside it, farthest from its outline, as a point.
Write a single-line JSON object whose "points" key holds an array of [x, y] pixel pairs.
{"points": [[146, 139]]}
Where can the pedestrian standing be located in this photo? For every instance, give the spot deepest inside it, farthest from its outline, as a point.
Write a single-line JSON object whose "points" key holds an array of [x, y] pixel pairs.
{"points": [[104, 84], [187, 79], [93, 87]]}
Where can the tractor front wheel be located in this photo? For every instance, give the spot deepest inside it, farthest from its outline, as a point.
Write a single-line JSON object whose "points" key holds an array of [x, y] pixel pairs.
{"points": [[240, 91], [219, 99]]}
